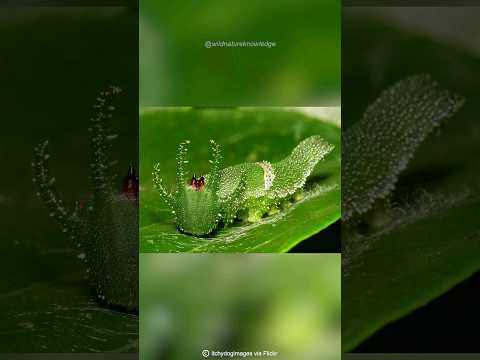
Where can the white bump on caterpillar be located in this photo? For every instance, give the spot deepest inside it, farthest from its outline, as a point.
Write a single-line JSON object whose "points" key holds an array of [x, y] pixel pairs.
{"points": [[268, 173]]}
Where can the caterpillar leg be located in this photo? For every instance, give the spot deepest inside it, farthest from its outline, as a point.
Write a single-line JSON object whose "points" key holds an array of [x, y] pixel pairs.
{"points": [[298, 195], [255, 209]]}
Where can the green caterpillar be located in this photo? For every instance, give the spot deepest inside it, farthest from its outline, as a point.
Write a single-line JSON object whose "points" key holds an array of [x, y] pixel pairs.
{"points": [[248, 191], [104, 229]]}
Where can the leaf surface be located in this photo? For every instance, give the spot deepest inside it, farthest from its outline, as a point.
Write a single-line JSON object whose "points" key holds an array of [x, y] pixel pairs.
{"points": [[403, 253], [245, 135]]}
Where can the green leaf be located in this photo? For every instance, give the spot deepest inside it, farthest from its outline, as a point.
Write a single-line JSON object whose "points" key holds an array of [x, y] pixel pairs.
{"points": [[245, 135], [425, 239], [47, 304], [407, 262], [62, 315]]}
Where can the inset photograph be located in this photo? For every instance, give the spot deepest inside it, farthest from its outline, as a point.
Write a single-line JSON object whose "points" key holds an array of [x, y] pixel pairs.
{"points": [[239, 179], [410, 179], [240, 306]]}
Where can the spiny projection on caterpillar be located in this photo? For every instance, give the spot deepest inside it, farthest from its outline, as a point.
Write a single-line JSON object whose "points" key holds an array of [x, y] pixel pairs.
{"points": [[104, 227], [247, 191]]}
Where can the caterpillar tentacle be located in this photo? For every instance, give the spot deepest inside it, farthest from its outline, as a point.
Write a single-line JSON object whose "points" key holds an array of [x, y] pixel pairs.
{"points": [[45, 184], [181, 161], [214, 179], [158, 185], [101, 143]]}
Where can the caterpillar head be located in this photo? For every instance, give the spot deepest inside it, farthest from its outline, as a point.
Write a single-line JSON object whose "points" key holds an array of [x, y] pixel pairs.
{"points": [[195, 202], [104, 228]]}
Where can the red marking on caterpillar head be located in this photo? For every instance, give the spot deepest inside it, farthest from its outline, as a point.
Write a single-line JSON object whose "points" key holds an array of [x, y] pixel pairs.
{"points": [[130, 184], [197, 184]]}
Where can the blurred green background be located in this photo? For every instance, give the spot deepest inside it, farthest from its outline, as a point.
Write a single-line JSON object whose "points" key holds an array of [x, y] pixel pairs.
{"points": [[284, 303], [302, 69], [54, 63]]}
